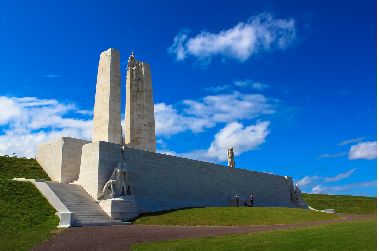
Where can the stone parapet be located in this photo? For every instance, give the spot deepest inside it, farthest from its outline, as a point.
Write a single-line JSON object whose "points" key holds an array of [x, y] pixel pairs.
{"points": [[60, 158]]}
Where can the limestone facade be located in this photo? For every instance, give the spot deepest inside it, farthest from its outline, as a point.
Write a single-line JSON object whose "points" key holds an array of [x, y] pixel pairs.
{"points": [[139, 107], [107, 111], [162, 182], [61, 158]]}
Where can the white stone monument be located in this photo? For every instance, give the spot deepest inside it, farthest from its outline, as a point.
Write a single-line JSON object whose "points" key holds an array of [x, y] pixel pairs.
{"points": [[107, 111], [139, 108]]}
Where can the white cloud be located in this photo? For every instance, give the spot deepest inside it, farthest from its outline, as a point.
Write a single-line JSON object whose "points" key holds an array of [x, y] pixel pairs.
{"points": [[167, 152], [249, 82], [364, 150], [307, 180], [177, 48], [242, 139], [51, 76], [260, 86], [339, 176], [350, 141], [27, 122], [230, 107], [205, 113], [217, 88], [243, 83], [260, 33], [342, 188], [332, 155], [362, 194]]}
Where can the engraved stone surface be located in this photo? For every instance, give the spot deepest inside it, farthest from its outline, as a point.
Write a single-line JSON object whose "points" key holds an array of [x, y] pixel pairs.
{"points": [[139, 107], [107, 111]]}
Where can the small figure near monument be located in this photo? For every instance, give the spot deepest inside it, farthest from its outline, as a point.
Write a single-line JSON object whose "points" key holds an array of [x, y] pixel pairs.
{"points": [[117, 185], [237, 200], [231, 162], [251, 200]]}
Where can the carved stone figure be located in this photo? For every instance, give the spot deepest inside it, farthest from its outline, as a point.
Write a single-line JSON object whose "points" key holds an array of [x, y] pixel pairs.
{"points": [[296, 194], [117, 185], [231, 162]]}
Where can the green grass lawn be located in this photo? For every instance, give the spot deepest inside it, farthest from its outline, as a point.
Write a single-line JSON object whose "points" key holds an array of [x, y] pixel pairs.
{"points": [[351, 235], [232, 216], [343, 204], [26, 217]]}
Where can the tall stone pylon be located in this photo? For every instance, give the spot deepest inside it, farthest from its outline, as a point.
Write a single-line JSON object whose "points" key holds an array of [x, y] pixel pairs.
{"points": [[139, 108], [107, 111]]}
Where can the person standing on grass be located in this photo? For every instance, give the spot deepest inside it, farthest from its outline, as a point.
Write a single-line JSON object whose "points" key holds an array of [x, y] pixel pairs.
{"points": [[251, 200], [237, 200]]}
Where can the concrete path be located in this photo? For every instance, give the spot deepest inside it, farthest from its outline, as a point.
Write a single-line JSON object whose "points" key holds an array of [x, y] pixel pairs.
{"points": [[121, 237]]}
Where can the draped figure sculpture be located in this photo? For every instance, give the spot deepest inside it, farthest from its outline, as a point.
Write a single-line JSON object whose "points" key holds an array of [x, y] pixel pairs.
{"points": [[231, 162], [118, 184], [296, 194]]}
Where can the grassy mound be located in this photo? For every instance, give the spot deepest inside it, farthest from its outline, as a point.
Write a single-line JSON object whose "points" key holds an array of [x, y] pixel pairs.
{"points": [[232, 216], [11, 167], [350, 235], [343, 204], [26, 217]]}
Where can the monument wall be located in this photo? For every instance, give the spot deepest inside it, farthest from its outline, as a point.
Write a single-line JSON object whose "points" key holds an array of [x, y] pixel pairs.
{"points": [[61, 158], [162, 182]]}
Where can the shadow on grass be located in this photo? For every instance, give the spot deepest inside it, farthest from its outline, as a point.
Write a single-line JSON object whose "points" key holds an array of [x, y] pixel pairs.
{"points": [[157, 213]]}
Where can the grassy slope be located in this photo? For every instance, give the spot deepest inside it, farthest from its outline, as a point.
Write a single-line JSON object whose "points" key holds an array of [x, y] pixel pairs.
{"points": [[231, 216], [351, 235], [26, 217], [343, 204]]}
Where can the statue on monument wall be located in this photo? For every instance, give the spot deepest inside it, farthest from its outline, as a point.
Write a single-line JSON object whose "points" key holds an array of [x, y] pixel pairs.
{"points": [[118, 184], [231, 162], [296, 194]]}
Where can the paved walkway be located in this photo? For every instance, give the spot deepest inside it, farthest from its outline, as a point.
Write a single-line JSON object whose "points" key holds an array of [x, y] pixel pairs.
{"points": [[121, 237]]}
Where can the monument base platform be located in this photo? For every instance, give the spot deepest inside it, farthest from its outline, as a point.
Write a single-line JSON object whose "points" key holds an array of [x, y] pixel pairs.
{"points": [[124, 208]]}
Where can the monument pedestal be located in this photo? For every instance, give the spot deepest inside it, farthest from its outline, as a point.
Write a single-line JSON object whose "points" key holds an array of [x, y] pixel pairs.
{"points": [[123, 208]]}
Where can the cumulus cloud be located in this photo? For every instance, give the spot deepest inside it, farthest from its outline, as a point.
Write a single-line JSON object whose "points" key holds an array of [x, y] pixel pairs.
{"points": [[241, 138], [350, 141], [364, 150], [29, 121], [260, 33], [332, 155], [207, 112], [230, 107], [234, 134], [319, 189]]}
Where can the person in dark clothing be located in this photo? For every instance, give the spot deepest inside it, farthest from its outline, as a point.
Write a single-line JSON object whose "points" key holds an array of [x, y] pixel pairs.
{"points": [[237, 200], [251, 200]]}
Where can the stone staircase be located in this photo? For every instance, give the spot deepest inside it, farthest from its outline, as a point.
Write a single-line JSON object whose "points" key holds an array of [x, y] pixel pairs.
{"points": [[77, 200]]}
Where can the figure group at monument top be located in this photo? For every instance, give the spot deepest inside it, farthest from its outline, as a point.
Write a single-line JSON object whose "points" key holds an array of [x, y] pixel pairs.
{"points": [[139, 105]]}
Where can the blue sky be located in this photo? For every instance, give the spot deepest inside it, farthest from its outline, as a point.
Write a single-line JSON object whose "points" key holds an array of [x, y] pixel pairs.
{"points": [[291, 85]]}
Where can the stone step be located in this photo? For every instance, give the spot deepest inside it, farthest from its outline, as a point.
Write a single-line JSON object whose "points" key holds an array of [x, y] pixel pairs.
{"points": [[89, 213], [76, 199], [80, 224], [97, 221]]}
